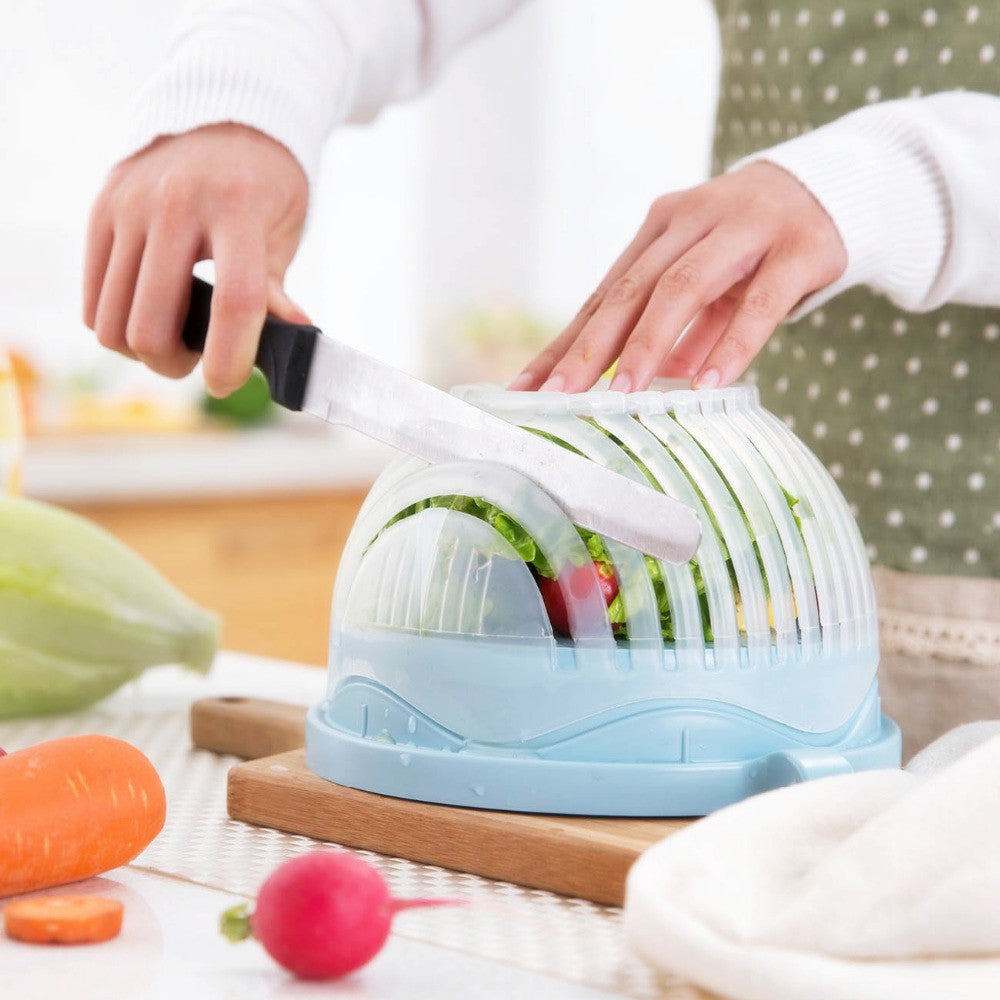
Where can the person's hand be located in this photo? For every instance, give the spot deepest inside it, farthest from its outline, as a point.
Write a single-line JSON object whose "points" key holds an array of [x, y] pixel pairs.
{"points": [[223, 192], [701, 287]]}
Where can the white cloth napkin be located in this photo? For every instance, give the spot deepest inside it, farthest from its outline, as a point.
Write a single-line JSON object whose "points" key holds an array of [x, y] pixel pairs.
{"points": [[878, 885]]}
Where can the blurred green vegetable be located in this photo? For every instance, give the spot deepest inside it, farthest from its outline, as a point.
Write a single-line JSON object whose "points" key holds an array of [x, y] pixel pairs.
{"points": [[250, 404], [81, 613]]}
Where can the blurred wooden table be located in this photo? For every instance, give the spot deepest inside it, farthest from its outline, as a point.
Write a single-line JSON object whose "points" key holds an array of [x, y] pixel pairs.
{"points": [[266, 564]]}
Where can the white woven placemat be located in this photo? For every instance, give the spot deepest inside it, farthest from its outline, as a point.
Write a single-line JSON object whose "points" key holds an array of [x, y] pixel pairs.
{"points": [[571, 939]]}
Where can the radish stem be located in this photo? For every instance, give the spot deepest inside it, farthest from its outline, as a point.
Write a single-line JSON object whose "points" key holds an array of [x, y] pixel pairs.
{"points": [[235, 922]]}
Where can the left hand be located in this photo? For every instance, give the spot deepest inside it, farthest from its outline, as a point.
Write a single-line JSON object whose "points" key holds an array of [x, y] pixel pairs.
{"points": [[702, 286]]}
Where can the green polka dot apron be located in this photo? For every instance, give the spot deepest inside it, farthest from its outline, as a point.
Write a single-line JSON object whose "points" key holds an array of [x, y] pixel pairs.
{"points": [[901, 407]]}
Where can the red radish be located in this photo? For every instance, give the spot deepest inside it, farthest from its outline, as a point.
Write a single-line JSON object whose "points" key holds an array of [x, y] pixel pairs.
{"points": [[580, 583], [321, 915]]}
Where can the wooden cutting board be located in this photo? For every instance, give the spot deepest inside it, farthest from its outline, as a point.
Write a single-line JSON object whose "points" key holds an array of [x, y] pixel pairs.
{"points": [[581, 856]]}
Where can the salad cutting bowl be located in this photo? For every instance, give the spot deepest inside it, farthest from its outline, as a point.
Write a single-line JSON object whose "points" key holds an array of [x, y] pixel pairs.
{"points": [[487, 652]]}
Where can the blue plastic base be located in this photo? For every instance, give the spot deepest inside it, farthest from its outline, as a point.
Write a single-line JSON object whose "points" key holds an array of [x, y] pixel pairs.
{"points": [[708, 755]]}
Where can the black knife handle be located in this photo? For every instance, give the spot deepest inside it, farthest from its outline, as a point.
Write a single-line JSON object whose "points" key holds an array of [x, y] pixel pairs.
{"points": [[284, 353]]}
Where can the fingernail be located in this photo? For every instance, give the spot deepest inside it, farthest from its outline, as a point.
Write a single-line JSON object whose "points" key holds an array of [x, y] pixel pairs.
{"points": [[708, 379], [621, 383], [554, 383], [521, 382]]}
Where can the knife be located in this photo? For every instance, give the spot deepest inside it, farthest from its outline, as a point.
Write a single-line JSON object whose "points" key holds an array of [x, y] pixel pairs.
{"points": [[307, 370]]}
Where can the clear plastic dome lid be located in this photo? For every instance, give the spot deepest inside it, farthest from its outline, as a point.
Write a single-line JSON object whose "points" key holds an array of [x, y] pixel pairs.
{"points": [[776, 604]]}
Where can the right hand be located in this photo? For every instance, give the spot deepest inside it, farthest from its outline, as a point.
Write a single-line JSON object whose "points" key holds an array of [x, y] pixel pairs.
{"points": [[222, 192], [696, 294]]}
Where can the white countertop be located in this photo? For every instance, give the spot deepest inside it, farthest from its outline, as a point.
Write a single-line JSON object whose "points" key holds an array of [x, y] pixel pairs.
{"points": [[298, 454], [170, 948], [508, 942]]}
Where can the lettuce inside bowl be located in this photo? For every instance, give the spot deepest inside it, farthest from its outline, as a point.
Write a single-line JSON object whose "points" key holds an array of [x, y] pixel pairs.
{"points": [[529, 551]]}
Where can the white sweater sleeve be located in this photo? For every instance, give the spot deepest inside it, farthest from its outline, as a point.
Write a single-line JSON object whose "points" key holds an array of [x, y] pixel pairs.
{"points": [[912, 186], [295, 69]]}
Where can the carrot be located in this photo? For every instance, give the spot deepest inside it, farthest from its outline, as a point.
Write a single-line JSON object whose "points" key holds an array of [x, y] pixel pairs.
{"points": [[72, 808], [63, 919]]}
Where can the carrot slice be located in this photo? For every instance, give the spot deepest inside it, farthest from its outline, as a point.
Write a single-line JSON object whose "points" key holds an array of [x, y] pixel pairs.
{"points": [[63, 919]]}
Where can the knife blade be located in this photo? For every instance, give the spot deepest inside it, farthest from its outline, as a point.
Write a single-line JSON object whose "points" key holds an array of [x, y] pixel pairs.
{"points": [[307, 370]]}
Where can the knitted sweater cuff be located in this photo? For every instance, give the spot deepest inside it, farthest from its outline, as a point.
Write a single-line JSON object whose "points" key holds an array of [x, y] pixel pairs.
{"points": [[243, 70], [195, 95], [877, 179]]}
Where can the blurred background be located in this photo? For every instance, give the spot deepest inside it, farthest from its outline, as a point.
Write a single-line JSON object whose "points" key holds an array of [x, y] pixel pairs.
{"points": [[452, 237]]}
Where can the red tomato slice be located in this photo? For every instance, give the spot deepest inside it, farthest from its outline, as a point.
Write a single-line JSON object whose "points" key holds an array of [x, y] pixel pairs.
{"points": [[579, 582]]}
